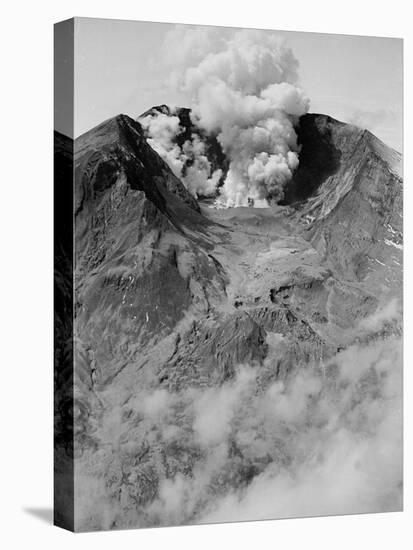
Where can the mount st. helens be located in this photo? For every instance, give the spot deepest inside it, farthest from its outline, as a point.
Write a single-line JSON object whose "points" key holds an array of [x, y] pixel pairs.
{"points": [[173, 295]]}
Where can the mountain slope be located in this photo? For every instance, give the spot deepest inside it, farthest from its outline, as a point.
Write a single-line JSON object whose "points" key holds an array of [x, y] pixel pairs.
{"points": [[353, 200], [134, 221], [172, 296]]}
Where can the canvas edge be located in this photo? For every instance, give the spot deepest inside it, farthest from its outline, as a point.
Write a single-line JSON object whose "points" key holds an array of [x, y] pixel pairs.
{"points": [[63, 275]]}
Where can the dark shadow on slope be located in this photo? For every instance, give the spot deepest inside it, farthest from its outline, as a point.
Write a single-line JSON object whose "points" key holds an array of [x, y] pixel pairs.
{"points": [[319, 158]]}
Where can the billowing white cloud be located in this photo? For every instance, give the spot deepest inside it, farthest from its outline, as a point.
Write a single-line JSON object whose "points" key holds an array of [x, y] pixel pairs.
{"points": [[162, 130], [242, 87], [188, 162]]}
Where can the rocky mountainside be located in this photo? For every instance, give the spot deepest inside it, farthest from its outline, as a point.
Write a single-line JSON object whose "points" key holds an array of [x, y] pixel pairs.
{"points": [[172, 296], [351, 199]]}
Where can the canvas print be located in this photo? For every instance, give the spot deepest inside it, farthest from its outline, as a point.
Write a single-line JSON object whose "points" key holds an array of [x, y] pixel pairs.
{"points": [[228, 289]]}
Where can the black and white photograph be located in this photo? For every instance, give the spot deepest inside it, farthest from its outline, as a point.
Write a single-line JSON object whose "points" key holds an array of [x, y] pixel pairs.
{"points": [[205, 281], [237, 276]]}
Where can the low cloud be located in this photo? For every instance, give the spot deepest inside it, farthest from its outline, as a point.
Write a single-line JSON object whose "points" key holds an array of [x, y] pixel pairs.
{"points": [[317, 443]]}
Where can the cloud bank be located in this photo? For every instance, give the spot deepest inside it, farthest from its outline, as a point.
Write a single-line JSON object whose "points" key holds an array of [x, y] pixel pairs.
{"points": [[317, 446], [319, 442]]}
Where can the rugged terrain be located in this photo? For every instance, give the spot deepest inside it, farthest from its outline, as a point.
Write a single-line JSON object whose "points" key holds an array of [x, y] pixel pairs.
{"points": [[173, 297]]}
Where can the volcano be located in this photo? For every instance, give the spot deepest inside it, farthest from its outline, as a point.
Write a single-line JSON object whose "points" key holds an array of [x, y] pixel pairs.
{"points": [[172, 296]]}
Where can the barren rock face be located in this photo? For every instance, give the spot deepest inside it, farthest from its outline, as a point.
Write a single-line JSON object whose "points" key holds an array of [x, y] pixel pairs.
{"points": [[184, 314], [354, 216]]}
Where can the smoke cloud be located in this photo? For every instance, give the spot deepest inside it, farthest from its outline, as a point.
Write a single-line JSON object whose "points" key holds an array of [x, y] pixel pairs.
{"points": [[189, 162], [242, 86]]}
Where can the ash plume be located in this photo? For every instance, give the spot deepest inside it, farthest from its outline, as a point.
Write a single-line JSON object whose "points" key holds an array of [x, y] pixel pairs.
{"points": [[243, 89], [189, 162]]}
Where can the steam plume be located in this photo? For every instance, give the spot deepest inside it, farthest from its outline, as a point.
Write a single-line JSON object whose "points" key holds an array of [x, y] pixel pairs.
{"points": [[188, 162], [243, 89]]}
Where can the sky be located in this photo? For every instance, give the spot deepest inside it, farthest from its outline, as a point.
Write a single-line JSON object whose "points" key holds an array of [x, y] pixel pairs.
{"points": [[118, 69]]}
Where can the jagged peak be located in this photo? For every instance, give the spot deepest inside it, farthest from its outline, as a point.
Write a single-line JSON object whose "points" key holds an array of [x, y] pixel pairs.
{"points": [[118, 145], [111, 129]]}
